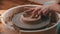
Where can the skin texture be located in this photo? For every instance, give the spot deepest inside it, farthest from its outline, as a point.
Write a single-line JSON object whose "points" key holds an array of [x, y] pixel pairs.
{"points": [[55, 7], [33, 12]]}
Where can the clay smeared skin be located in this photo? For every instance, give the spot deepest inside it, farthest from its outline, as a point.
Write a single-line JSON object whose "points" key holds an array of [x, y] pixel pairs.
{"points": [[31, 16], [34, 13]]}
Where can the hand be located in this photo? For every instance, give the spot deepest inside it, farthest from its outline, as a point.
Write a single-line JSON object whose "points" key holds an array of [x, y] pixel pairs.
{"points": [[33, 12], [55, 8], [44, 10]]}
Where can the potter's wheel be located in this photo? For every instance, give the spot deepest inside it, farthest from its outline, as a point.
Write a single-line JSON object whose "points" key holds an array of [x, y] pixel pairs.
{"points": [[17, 22]]}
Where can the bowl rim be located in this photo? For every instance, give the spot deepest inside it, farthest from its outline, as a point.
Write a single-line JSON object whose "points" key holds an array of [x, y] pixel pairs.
{"points": [[25, 30]]}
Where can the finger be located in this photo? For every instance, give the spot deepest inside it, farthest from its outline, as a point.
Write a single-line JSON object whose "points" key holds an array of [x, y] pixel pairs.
{"points": [[36, 9], [47, 12], [29, 10], [39, 12], [27, 7], [44, 10], [35, 12]]}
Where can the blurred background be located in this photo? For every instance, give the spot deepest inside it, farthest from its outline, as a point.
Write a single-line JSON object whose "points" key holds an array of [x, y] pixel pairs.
{"points": [[6, 4]]}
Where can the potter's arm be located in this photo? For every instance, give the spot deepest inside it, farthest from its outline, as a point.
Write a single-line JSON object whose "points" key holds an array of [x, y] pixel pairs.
{"points": [[52, 5]]}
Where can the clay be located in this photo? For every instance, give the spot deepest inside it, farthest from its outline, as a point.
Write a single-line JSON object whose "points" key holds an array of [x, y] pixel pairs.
{"points": [[29, 17], [32, 17]]}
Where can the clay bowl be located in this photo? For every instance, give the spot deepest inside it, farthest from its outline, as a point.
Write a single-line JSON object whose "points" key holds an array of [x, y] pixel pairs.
{"points": [[29, 20]]}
